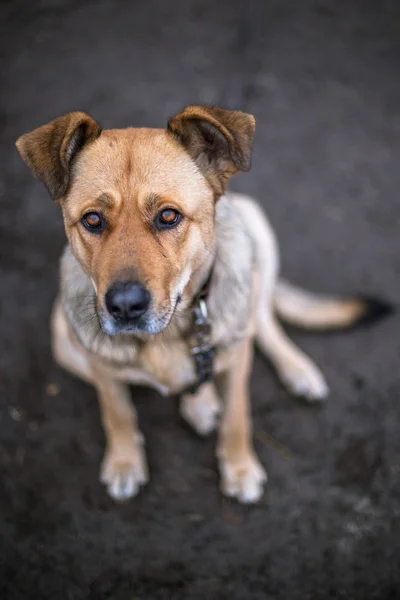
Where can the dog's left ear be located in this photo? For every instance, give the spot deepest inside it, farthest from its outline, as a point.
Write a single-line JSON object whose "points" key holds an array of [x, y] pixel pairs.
{"points": [[218, 140], [50, 150]]}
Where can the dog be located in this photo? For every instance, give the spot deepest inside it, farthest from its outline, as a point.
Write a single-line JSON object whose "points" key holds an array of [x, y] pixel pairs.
{"points": [[168, 280]]}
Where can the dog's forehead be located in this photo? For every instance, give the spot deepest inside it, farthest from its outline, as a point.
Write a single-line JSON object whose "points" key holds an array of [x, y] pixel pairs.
{"points": [[138, 162]]}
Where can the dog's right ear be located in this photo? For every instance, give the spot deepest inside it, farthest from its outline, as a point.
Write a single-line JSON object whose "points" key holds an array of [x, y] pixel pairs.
{"points": [[218, 140], [50, 150]]}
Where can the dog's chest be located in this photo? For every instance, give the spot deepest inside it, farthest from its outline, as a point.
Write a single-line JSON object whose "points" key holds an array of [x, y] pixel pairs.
{"points": [[167, 366]]}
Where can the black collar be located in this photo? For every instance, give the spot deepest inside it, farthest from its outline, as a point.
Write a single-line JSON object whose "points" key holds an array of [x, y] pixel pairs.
{"points": [[199, 338]]}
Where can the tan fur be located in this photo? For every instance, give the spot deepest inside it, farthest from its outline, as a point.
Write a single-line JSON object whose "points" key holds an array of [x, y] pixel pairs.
{"points": [[302, 308], [129, 176], [141, 171]]}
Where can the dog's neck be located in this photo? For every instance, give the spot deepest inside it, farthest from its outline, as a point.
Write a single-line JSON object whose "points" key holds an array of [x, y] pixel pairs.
{"points": [[228, 299]]}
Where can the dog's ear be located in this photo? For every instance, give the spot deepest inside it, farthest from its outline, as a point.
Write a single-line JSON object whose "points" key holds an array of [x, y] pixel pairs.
{"points": [[50, 150], [218, 140]]}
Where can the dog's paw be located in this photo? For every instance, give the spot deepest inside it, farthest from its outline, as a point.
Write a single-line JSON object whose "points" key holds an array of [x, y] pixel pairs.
{"points": [[242, 479], [305, 380], [123, 474], [201, 410]]}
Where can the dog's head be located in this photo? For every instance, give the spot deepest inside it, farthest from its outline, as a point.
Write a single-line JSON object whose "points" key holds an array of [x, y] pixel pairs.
{"points": [[139, 204]]}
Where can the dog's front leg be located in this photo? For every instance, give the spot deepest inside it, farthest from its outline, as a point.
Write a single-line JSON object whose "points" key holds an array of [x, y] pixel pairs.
{"points": [[202, 408], [124, 469], [242, 475]]}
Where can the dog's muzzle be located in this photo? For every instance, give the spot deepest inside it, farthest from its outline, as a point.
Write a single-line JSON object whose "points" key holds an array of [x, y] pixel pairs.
{"points": [[126, 302]]}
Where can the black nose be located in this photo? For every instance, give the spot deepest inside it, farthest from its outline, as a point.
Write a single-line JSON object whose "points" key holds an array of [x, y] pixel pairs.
{"points": [[126, 301]]}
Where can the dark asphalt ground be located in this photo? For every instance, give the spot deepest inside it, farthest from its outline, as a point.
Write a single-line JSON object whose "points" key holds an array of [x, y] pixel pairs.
{"points": [[322, 79]]}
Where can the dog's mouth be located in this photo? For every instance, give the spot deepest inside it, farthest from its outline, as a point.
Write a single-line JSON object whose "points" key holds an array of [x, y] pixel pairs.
{"points": [[151, 323]]}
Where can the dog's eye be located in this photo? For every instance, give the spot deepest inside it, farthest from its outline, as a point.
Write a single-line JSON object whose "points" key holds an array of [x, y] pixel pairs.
{"points": [[93, 222], [167, 218]]}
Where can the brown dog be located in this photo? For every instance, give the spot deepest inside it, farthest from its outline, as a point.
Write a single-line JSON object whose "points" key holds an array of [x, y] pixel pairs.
{"points": [[166, 281]]}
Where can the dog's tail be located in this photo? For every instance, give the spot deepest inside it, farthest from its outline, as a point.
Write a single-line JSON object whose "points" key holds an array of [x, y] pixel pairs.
{"points": [[300, 308]]}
